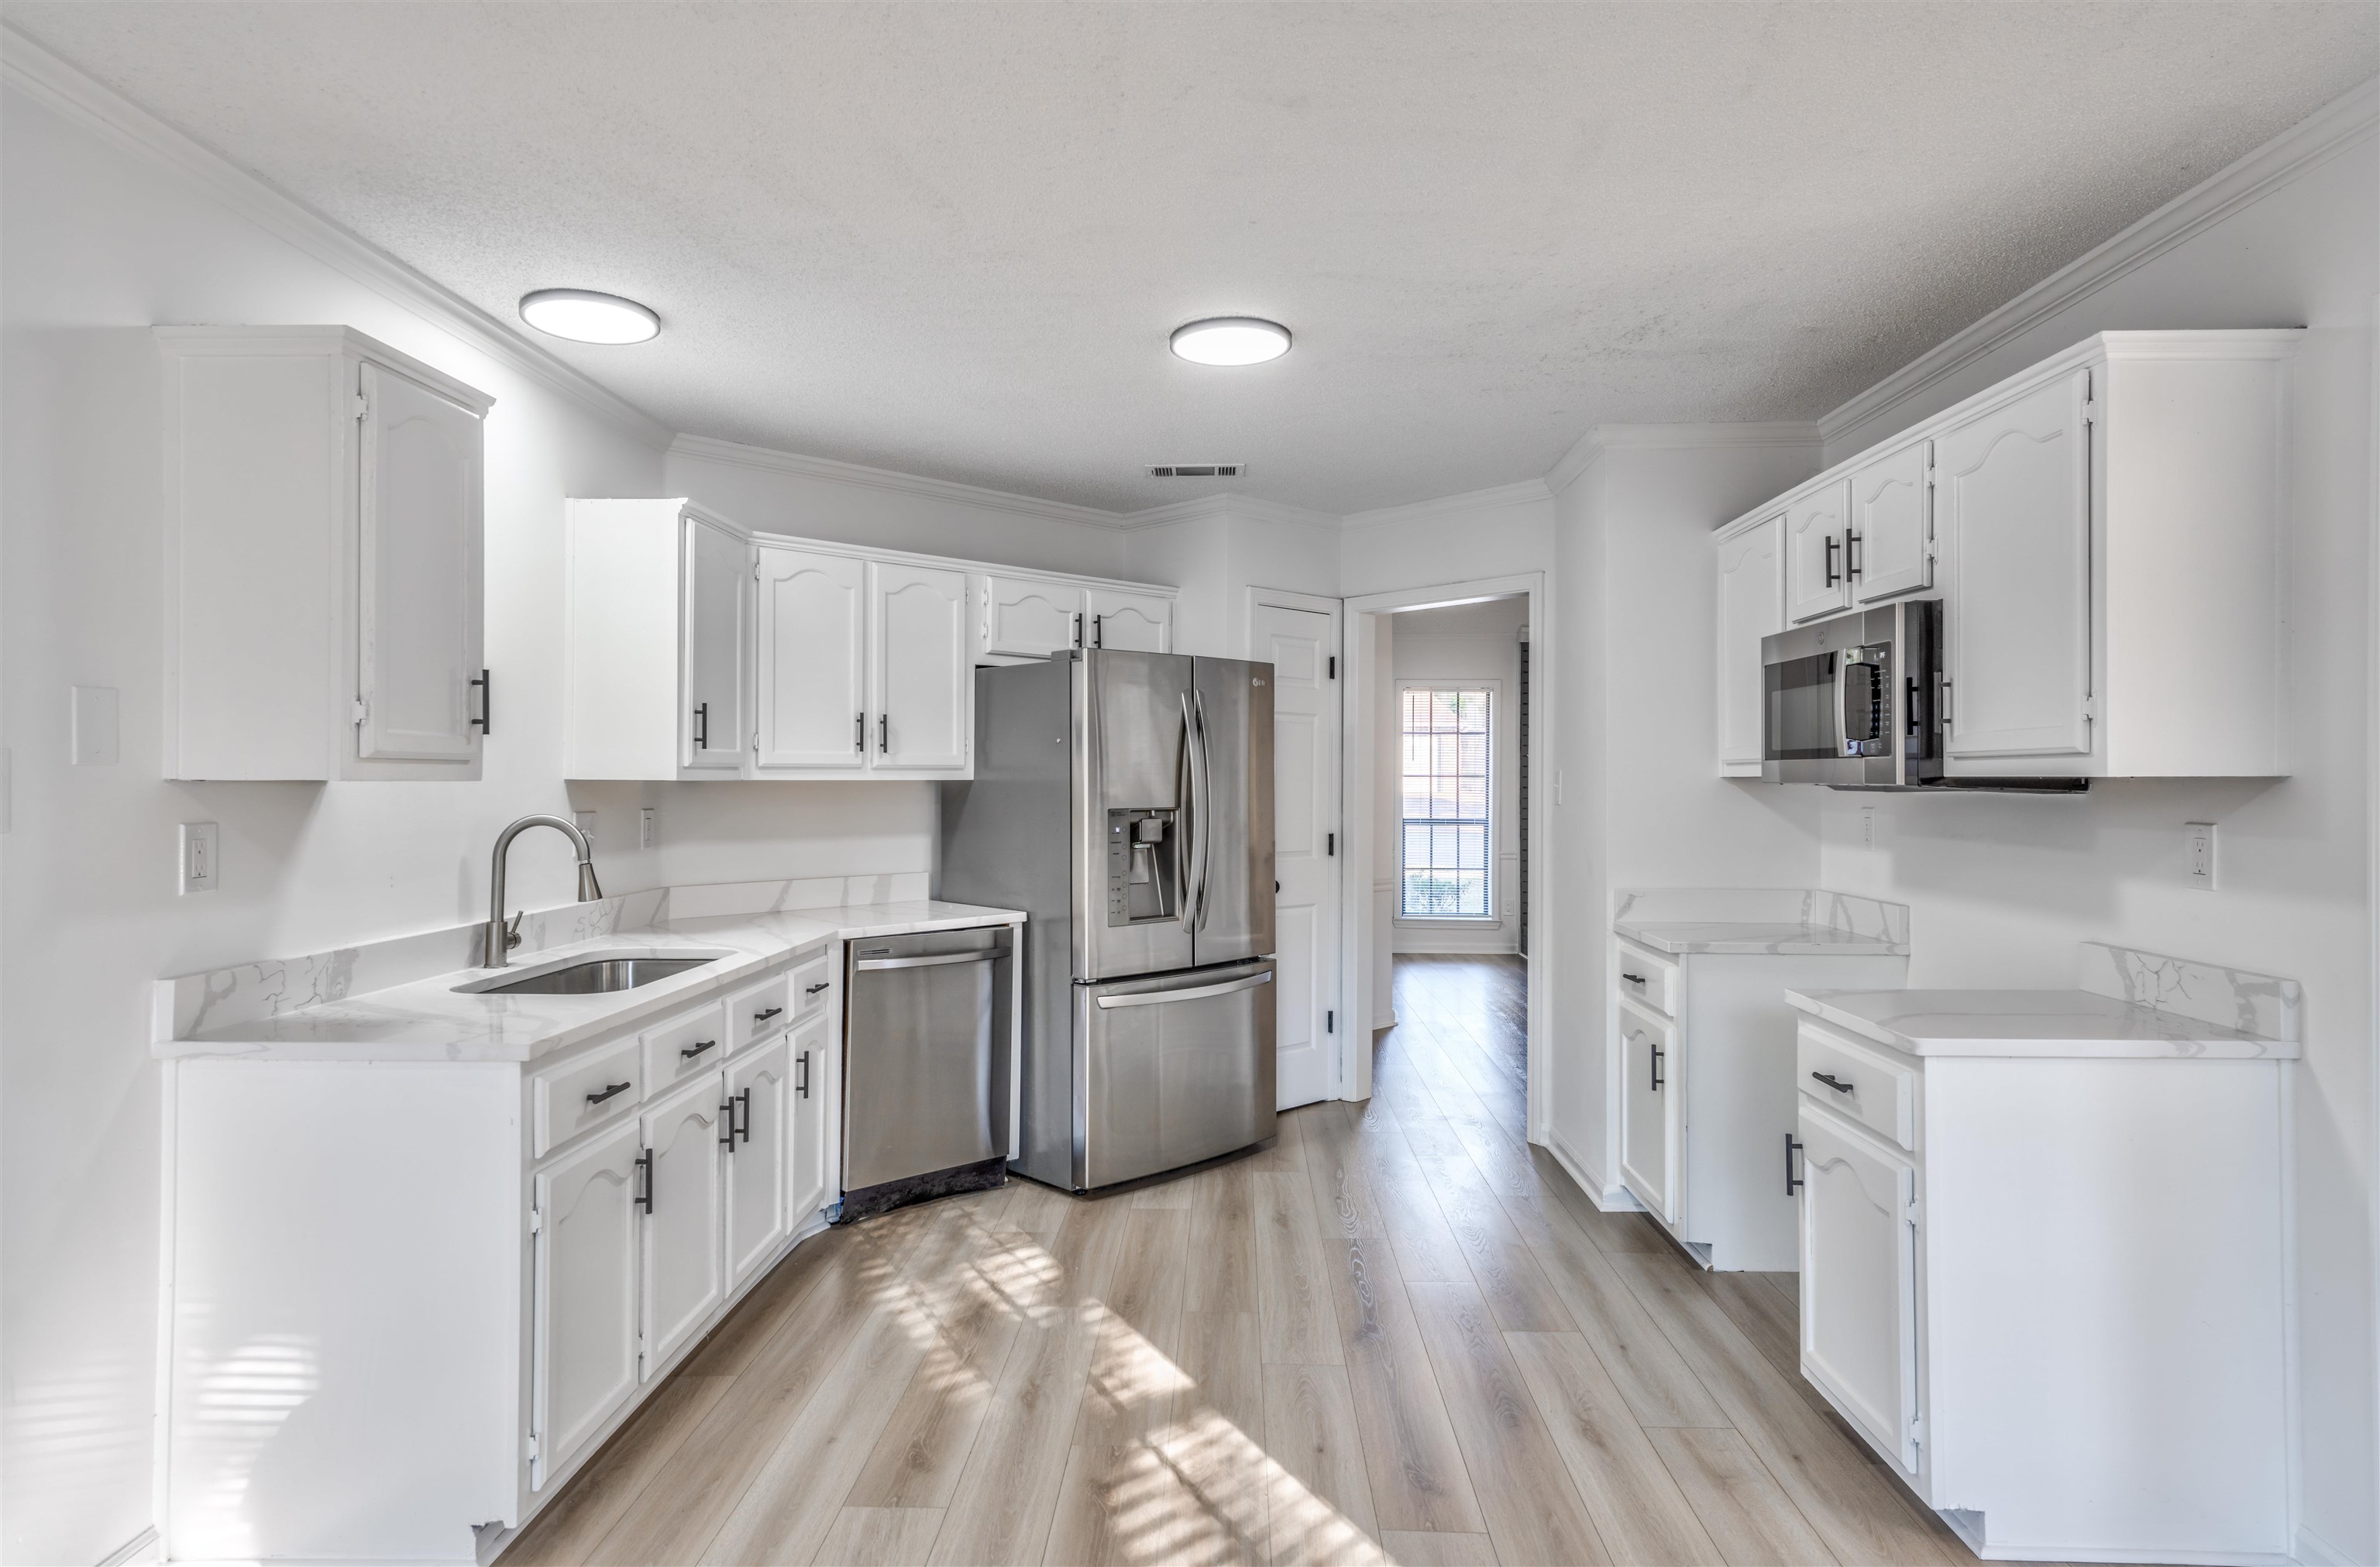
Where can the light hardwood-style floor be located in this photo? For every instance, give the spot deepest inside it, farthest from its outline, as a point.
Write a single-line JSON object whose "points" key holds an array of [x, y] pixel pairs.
{"points": [[1400, 1334]]}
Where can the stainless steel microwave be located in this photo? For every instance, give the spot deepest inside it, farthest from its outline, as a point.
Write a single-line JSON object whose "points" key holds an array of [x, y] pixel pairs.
{"points": [[1853, 701]]}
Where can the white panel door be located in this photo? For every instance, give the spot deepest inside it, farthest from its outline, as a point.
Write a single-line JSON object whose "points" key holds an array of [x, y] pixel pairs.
{"points": [[1815, 583], [758, 1085], [1751, 605], [1649, 1108], [1136, 622], [1030, 617], [582, 1329], [1889, 549], [418, 573], [1303, 648], [812, 1167], [2013, 488], [683, 1197], [920, 672], [812, 673], [711, 719], [1859, 1280]]}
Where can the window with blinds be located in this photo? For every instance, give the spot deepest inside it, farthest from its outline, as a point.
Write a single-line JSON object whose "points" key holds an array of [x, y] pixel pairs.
{"points": [[1446, 835]]}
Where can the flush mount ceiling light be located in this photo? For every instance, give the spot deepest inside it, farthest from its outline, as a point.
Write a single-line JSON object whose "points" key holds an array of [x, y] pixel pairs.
{"points": [[1230, 340], [584, 316]]}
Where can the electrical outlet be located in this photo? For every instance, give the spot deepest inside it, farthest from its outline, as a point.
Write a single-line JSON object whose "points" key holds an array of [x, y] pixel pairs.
{"points": [[586, 820], [2200, 842], [649, 827], [200, 856]]}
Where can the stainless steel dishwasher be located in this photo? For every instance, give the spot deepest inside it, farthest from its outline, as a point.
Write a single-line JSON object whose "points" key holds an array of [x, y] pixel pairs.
{"points": [[925, 1058]]}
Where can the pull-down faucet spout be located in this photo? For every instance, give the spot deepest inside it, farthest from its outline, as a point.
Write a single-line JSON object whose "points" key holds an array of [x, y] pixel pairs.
{"points": [[502, 936]]}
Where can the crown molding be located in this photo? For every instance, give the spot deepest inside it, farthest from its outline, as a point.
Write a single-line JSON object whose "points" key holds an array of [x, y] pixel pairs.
{"points": [[2312, 142], [770, 459], [79, 100], [1776, 435], [1517, 494], [1230, 504]]}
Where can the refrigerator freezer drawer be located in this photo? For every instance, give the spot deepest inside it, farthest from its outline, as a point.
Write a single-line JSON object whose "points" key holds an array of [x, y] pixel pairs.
{"points": [[1177, 1068]]}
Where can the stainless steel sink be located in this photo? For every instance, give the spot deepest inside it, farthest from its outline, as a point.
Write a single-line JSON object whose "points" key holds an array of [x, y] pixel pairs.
{"points": [[593, 974]]}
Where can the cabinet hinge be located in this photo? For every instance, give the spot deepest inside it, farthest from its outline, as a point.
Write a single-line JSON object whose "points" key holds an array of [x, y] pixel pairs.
{"points": [[359, 711], [363, 406], [536, 1222], [532, 1447], [2090, 709]]}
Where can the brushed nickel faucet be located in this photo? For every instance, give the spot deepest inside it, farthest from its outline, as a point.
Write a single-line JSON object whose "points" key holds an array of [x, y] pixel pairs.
{"points": [[503, 936]]}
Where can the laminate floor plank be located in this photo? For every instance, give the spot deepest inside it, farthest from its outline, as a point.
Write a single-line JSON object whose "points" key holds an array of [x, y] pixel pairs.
{"points": [[1414, 1549], [1222, 1241], [1658, 1385], [609, 1483], [1135, 1370], [1532, 1511], [880, 1536], [1292, 1279], [1753, 1522], [1425, 1248], [1637, 1508], [1500, 1263], [1320, 1500]]}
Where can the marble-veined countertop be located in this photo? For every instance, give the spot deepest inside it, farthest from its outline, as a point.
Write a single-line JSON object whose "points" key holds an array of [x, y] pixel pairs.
{"points": [[2032, 1023], [1681, 937], [429, 1020]]}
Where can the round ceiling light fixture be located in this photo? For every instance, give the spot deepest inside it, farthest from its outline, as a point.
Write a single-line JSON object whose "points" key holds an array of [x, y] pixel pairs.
{"points": [[1230, 340], [584, 316]]}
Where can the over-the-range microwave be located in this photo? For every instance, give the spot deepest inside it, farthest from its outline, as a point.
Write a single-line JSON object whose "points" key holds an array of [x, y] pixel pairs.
{"points": [[1855, 702]]}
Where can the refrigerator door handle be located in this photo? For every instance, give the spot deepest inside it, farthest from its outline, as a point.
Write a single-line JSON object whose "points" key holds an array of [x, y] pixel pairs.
{"points": [[1195, 992], [1188, 822], [1206, 843]]}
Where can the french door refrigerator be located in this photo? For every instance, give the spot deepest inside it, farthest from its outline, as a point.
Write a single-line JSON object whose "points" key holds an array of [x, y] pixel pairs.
{"points": [[1123, 801]]}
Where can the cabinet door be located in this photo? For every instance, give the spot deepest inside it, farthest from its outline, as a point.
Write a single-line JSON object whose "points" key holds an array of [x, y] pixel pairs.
{"points": [[757, 1087], [1815, 583], [711, 719], [920, 675], [813, 1163], [583, 1326], [2013, 490], [682, 1182], [1859, 1280], [1649, 1109], [1889, 549], [1030, 617], [1136, 622], [812, 678], [1751, 605], [418, 571]]}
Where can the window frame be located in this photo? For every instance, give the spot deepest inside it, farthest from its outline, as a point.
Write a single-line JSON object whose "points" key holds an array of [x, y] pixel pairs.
{"points": [[1494, 687]]}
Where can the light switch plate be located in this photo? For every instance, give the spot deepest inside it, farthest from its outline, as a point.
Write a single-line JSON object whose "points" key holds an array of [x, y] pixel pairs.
{"points": [[93, 709], [649, 827], [2199, 845], [201, 860], [586, 820]]}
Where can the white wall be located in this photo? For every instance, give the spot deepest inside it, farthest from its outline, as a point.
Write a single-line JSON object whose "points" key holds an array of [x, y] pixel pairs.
{"points": [[2001, 889], [1498, 532], [1461, 643]]}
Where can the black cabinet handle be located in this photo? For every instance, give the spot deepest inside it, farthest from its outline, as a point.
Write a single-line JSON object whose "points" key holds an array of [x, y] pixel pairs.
{"points": [[744, 1115], [487, 703], [859, 732], [702, 727], [727, 1123], [884, 734], [1098, 631], [1658, 1053], [609, 1090], [645, 1169], [1833, 544], [695, 1050], [814, 989], [1793, 1183], [764, 1016], [801, 1083], [1837, 1084], [1852, 566], [1634, 979]]}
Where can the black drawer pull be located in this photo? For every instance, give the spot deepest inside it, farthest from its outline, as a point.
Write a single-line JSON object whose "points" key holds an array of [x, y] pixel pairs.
{"points": [[814, 989], [1634, 979], [609, 1090], [695, 1050], [764, 1016], [1837, 1084]]}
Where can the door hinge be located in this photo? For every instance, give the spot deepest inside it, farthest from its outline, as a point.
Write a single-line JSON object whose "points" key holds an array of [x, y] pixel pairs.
{"points": [[532, 1447], [1333, 663], [1916, 1430], [360, 710], [1330, 1022], [363, 406]]}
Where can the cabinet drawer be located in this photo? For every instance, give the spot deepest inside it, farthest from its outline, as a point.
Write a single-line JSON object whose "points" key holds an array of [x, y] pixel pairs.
{"points": [[685, 1047], [810, 981], [758, 1011], [1858, 1081], [583, 1094], [1646, 978]]}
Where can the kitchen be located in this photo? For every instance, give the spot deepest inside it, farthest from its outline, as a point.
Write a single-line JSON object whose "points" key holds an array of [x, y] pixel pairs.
{"points": [[377, 190]]}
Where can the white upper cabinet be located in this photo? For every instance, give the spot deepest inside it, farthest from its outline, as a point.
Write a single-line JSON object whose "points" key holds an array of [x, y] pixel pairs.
{"points": [[2015, 482], [1889, 549], [920, 680], [1815, 583], [324, 501], [1030, 617], [812, 662], [1750, 606], [1134, 623], [718, 566]]}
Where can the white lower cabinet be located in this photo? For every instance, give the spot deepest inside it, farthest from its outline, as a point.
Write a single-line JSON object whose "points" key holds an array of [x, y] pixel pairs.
{"points": [[684, 1196], [582, 1329], [1858, 1272], [759, 1085], [1649, 1109], [812, 1158]]}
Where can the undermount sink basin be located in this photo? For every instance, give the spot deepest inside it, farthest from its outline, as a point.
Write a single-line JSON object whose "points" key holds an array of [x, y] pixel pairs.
{"points": [[592, 974]]}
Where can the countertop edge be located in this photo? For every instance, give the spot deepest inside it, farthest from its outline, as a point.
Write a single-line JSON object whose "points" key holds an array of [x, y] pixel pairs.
{"points": [[2180, 1047]]}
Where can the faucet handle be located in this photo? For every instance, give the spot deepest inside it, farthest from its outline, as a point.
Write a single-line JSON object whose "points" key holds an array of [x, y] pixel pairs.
{"points": [[512, 932]]}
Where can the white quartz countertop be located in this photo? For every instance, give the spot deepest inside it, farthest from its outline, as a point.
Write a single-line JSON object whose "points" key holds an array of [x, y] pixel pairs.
{"points": [[2030, 1023], [429, 1020], [1681, 937]]}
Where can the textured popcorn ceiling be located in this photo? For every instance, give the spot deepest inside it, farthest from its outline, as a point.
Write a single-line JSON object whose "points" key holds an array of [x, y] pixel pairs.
{"points": [[951, 240]]}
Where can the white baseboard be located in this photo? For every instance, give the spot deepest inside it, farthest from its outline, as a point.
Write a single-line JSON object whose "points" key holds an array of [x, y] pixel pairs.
{"points": [[140, 1548], [2315, 1551], [1607, 1196]]}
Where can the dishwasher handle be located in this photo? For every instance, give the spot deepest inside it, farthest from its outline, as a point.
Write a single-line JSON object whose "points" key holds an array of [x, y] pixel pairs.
{"points": [[1195, 992], [992, 954]]}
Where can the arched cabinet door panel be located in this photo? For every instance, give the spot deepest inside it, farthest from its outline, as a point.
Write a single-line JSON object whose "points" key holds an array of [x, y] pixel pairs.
{"points": [[683, 1182], [811, 664], [920, 676], [583, 1331]]}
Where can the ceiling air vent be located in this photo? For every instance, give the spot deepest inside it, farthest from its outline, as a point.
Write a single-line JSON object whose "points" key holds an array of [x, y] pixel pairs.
{"points": [[1197, 470]]}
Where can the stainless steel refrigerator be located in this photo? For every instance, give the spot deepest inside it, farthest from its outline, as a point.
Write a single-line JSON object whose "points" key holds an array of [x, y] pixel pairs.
{"points": [[1124, 802]]}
